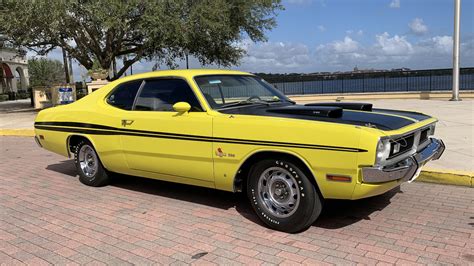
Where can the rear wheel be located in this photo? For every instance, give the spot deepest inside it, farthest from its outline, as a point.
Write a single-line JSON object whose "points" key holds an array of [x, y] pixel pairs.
{"points": [[90, 169], [282, 195]]}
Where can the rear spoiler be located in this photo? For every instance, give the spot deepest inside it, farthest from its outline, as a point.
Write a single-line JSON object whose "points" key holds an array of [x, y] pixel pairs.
{"points": [[349, 106]]}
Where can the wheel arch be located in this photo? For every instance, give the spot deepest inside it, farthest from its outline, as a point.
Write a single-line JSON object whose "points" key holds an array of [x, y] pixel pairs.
{"points": [[240, 177], [74, 139]]}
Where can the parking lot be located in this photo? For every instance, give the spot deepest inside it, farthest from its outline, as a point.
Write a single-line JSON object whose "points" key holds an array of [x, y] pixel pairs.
{"points": [[47, 216]]}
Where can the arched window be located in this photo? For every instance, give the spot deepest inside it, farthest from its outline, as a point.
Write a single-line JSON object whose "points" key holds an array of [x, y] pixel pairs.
{"points": [[20, 78], [3, 82], [5, 78]]}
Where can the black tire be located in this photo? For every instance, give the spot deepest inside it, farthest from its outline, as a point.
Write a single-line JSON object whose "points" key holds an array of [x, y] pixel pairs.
{"points": [[96, 178], [287, 179]]}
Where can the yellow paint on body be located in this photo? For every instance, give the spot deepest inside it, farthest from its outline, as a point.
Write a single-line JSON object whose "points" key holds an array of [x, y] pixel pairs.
{"points": [[197, 162]]}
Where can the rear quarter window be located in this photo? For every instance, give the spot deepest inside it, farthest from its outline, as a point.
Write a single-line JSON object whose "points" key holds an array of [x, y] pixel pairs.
{"points": [[124, 95]]}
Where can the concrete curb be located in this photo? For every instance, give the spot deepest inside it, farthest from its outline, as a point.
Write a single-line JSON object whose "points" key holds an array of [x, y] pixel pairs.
{"points": [[447, 177], [17, 132]]}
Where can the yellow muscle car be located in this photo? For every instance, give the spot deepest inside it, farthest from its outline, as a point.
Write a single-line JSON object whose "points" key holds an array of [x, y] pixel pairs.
{"points": [[233, 131]]}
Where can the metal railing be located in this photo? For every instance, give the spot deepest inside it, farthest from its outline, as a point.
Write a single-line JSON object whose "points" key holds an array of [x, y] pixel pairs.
{"points": [[387, 81]]}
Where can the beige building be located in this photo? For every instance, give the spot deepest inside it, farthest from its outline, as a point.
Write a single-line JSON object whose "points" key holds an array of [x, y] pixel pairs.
{"points": [[13, 68]]}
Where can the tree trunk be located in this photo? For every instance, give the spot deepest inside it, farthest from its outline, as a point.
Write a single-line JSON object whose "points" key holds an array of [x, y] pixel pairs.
{"points": [[66, 69]]}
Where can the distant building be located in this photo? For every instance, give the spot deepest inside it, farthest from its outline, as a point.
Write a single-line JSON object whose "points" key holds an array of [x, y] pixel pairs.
{"points": [[13, 68], [401, 69]]}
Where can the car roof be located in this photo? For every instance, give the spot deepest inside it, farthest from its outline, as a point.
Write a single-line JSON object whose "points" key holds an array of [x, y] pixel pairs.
{"points": [[185, 73]]}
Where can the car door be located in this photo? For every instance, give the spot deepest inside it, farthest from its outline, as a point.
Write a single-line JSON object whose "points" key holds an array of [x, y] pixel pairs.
{"points": [[163, 142]]}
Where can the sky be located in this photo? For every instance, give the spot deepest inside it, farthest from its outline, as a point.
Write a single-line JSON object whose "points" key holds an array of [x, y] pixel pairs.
{"points": [[338, 35]]}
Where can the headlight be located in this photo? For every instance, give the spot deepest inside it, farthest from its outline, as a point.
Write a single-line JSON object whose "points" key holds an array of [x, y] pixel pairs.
{"points": [[383, 151]]}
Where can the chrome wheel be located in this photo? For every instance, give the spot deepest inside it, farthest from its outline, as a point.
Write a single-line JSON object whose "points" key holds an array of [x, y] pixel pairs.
{"points": [[278, 191], [88, 161]]}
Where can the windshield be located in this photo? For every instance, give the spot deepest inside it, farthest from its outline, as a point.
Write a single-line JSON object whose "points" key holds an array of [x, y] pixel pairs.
{"points": [[225, 91]]}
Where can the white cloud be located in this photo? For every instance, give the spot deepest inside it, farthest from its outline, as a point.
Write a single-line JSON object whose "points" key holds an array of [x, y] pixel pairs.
{"points": [[418, 27], [336, 54], [358, 33], [440, 44], [394, 4], [321, 28], [385, 51], [345, 46], [279, 56], [392, 46]]}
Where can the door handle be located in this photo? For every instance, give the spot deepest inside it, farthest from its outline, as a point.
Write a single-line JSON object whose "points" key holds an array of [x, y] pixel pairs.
{"points": [[126, 122]]}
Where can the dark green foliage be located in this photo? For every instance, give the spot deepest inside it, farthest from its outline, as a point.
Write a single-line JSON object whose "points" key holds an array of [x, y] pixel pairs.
{"points": [[162, 30], [45, 72]]}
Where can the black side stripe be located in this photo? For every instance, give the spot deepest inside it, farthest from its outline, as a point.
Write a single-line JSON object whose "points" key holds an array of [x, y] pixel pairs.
{"points": [[94, 129]]}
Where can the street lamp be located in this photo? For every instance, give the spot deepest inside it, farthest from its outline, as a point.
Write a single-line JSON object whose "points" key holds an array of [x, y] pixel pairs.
{"points": [[457, 15]]}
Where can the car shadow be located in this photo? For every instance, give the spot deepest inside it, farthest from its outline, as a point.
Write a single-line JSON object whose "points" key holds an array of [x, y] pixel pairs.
{"points": [[341, 213], [336, 213], [65, 167]]}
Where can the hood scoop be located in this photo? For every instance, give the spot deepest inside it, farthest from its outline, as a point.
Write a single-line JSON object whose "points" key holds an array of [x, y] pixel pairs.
{"points": [[319, 111], [349, 106]]}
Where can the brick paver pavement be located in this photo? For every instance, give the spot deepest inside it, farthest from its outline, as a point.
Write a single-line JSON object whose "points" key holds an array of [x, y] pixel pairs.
{"points": [[48, 217]]}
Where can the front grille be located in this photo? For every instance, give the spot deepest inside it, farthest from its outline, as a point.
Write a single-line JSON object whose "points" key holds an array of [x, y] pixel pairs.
{"points": [[405, 142], [424, 135]]}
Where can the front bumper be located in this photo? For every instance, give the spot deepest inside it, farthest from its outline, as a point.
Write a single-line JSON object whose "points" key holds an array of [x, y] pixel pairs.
{"points": [[407, 169]]}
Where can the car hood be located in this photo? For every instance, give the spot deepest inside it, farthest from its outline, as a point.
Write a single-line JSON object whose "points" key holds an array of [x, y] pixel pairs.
{"points": [[344, 113]]}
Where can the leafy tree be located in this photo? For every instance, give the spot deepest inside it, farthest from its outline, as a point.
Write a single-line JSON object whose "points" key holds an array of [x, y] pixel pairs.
{"points": [[44, 72], [162, 30]]}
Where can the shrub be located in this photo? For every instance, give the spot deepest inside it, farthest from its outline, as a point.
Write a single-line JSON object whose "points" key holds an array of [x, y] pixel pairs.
{"points": [[3, 97], [22, 94], [80, 93]]}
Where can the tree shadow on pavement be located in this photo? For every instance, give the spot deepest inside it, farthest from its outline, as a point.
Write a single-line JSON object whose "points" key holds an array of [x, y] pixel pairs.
{"points": [[335, 214]]}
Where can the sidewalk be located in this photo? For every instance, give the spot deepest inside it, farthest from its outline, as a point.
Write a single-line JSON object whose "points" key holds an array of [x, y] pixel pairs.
{"points": [[17, 114]]}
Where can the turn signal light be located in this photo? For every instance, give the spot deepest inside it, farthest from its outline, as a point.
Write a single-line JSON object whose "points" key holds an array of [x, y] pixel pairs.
{"points": [[339, 178]]}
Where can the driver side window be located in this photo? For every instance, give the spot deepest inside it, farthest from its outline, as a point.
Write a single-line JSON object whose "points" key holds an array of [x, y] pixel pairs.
{"points": [[162, 94]]}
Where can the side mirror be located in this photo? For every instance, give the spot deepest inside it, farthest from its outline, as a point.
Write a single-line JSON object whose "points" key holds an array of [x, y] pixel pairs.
{"points": [[182, 107]]}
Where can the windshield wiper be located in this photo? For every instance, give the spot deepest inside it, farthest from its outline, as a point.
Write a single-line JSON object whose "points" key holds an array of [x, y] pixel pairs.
{"points": [[273, 100], [242, 103], [280, 100]]}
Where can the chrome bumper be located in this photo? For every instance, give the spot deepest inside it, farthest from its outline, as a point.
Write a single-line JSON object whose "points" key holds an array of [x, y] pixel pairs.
{"points": [[407, 169]]}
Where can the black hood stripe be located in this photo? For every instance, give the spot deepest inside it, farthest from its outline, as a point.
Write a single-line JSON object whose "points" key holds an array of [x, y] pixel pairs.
{"points": [[383, 120], [94, 129], [413, 115]]}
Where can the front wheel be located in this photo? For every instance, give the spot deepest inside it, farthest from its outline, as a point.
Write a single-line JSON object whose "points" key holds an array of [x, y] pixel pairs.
{"points": [[282, 195], [90, 169]]}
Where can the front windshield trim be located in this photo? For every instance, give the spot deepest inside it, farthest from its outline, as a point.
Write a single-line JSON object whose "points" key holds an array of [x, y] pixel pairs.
{"points": [[282, 98]]}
